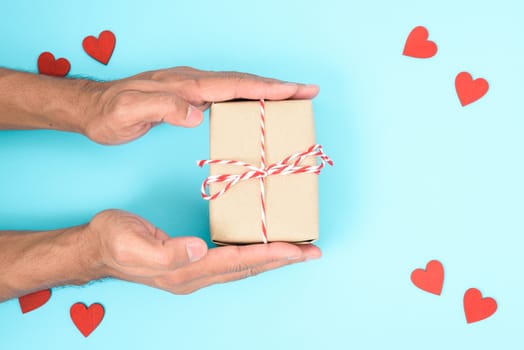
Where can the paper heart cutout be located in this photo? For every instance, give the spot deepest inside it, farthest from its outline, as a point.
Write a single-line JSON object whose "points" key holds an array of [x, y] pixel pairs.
{"points": [[431, 279], [34, 300], [49, 66], [100, 48], [417, 44], [469, 90], [476, 307], [86, 319]]}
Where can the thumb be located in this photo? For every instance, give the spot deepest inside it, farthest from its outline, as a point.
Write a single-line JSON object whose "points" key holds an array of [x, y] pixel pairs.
{"points": [[177, 111], [173, 253], [191, 118], [156, 107]]}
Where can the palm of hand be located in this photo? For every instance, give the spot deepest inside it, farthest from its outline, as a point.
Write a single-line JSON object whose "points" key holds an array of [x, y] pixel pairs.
{"points": [[133, 249]]}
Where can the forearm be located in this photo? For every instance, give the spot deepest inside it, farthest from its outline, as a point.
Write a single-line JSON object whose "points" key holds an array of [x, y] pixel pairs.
{"points": [[31, 261], [31, 101]]}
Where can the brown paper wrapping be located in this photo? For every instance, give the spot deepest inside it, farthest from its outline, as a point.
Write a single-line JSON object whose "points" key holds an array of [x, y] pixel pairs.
{"points": [[291, 200]]}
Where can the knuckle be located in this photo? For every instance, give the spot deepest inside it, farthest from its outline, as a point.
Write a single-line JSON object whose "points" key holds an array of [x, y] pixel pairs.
{"points": [[184, 69], [122, 103], [192, 83], [238, 268], [168, 73], [158, 74], [105, 216], [246, 271], [253, 271]]}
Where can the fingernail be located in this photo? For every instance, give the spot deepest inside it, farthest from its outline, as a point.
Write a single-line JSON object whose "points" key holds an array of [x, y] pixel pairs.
{"points": [[313, 257], [193, 114], [294, 257], [189, 111], [195, 251], [312, 86], [309, 258]]}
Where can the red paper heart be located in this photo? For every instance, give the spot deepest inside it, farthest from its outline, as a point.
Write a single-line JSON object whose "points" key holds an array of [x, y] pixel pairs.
{"points": [[49, 66], [431, 279], [34, 300], [476, 307], [86, 319], [469, 90], [102, 48], [417, 44]]}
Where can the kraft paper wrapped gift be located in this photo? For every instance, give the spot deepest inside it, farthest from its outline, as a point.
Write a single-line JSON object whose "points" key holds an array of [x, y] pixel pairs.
{"points": [[290, 200]]}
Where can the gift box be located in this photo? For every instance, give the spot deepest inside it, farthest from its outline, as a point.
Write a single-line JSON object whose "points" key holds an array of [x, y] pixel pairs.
{"points": [[253, 199]]}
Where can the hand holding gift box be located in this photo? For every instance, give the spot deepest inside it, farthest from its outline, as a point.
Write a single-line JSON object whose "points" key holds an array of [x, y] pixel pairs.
{"points": [[263, 172]]}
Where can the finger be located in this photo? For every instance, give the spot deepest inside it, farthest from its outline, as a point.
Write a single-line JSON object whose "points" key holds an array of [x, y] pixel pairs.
{"points": [[314, 253], [224, 86], [233, 276], [224, 260], [155, 107], [305, 92]]}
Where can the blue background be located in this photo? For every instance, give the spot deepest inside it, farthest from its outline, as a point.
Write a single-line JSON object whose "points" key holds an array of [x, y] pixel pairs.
{"points": [[417, 176]]}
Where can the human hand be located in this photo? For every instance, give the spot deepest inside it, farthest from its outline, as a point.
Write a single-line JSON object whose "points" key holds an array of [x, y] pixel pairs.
{"points": [[123, 110], [133, 249]]}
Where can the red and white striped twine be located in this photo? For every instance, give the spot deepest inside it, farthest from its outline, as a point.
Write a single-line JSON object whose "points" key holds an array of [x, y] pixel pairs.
{"points": [[263, 166], [287, 166]]}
